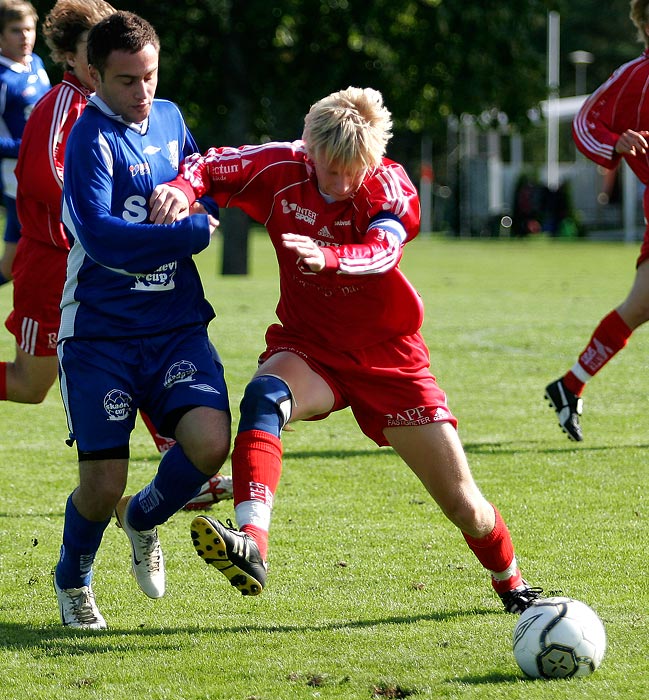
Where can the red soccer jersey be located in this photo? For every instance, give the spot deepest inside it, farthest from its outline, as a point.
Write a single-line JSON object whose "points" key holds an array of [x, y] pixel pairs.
{"points": [[621, 103], [361, 298], [40, 161]]}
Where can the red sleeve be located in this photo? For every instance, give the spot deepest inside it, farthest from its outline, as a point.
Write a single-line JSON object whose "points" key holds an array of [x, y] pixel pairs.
{"points": [[185, 185], [592, 128], [380, 252], [40, 161], [39, 169], [621, 103], [388, 191], [241, 177], [387, 215]]}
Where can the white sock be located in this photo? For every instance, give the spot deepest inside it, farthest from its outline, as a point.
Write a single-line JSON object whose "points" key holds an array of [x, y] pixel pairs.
{"points": [[253, 513]]}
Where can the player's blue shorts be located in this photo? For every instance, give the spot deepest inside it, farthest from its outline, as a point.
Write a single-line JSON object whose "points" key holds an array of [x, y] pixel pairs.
{"points": [[12, 225], [105, 382]]}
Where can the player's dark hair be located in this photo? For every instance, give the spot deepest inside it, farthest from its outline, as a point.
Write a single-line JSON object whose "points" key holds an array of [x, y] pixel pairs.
{"points": [[67, 21], [122, 31]]}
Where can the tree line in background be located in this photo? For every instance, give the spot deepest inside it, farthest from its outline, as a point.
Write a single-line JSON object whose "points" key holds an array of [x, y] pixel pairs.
{"points": [[248, 70]]}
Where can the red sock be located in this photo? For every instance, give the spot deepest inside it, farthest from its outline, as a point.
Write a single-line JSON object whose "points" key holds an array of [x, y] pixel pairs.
{"points": [[256, 466], [162, 443], [3, 381], [495, 552], [256, 470], [610, 336], [260, 536]]}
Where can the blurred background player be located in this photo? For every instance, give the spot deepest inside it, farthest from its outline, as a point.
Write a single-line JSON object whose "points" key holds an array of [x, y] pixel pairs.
{"points": [[42, 251], [23, 81], [41, 255], [133, 319], [612, 124], [349, 331]]}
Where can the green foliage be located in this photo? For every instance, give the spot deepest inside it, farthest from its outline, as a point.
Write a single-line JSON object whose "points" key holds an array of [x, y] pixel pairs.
{"points": [[371, 592], [245, 71], [610, 36]]}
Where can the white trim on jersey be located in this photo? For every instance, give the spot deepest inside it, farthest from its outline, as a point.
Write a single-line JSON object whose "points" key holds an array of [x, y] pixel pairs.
{"points": [[590, 143], [106, 153], [60, 112], [381, 261]]}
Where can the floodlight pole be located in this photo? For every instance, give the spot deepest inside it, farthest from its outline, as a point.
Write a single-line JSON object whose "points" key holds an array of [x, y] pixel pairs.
{"points": [[552, 140], [580, 60], [426, 184]]}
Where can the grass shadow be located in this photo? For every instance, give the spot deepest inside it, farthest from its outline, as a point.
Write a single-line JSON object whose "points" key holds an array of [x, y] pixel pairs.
{"points": [[486, 679], [49, 638], [513, 447]]}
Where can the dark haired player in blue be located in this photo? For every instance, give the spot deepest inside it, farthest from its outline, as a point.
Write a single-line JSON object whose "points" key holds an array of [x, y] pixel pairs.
{"points": [[134, 319], [23, 81]]}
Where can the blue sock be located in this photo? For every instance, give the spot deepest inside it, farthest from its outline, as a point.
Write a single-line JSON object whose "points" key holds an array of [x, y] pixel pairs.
{"points": [[81, 540], [176, 482], [3, 280]]}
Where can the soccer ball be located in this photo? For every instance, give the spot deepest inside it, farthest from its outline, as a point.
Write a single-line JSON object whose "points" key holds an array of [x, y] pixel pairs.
{"points": [[559, 638]]}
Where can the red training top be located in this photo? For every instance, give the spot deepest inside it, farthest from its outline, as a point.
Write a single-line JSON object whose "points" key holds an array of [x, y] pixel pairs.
{"points": [[40, 161], [621, 103], [361, 297]]}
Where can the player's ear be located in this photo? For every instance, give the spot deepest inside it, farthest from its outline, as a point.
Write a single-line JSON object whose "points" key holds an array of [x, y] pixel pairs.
{"points": [[70, 59], [94, 75]]}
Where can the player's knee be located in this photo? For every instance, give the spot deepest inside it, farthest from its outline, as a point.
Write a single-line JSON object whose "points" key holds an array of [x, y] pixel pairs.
{"points": [[210, 456], [266, 405], [206, 440]]}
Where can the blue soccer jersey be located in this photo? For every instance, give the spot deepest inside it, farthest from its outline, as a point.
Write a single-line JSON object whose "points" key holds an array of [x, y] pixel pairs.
{"points": [[21, 86], [127, 277]]}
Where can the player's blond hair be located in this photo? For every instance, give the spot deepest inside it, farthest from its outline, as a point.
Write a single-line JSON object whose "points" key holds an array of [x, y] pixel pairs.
{"points": [[640, 17], [351, 128], [67, 21], [16, 11]]}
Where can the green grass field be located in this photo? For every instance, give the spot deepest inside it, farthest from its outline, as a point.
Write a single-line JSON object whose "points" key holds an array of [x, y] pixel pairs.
{"points": [[371, 592]]}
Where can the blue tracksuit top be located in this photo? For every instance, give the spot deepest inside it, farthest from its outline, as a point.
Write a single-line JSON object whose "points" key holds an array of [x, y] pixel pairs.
{"points": [[127, 277], [21, 86]]}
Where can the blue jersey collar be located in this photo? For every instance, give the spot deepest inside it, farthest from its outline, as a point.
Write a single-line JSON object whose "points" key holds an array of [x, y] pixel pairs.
{"points": [[97, 102]]}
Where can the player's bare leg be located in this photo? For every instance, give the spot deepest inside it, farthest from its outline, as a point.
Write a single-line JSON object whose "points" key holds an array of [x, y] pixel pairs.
{"points": [[7, 260], [634, 310], [609, 337], [29, 378], [435, 454]]}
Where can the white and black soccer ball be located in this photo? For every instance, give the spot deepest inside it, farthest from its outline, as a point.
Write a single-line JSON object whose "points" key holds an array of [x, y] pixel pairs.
{"points": [[559, 638]]}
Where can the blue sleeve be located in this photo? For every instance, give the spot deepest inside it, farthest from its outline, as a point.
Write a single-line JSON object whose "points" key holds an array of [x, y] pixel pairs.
{"points": [[112, 225], [9, 147]]}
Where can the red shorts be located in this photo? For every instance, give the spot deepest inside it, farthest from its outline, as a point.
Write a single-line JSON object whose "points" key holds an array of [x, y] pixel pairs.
{"points": [[386, 385], [38, 278]]}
